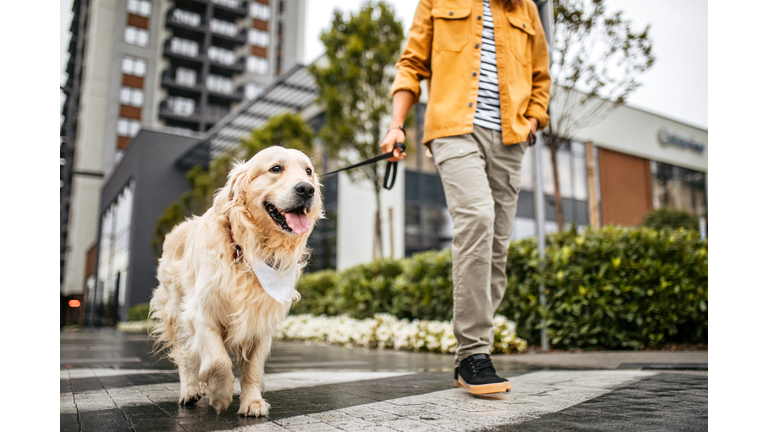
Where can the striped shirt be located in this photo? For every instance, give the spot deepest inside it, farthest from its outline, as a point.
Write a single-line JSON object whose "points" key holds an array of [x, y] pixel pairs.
{"points": [[488, 111]]}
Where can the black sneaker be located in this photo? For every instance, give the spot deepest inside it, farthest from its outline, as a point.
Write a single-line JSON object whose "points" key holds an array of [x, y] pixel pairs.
{"points": [[477, 374]]}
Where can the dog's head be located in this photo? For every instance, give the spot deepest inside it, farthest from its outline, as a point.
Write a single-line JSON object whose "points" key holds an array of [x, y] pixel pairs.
{"points": [[274, 194]]}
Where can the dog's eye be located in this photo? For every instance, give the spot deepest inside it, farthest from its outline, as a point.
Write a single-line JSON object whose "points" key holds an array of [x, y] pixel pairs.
{"points": [[309, 171], [276, 169]]}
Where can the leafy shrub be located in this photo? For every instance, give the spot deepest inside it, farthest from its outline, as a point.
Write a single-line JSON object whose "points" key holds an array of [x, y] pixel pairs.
{"points": [[667, 217], [138, 312], [623, 287], [318, 294], [367, 289], [611, 288], [424, 289]]}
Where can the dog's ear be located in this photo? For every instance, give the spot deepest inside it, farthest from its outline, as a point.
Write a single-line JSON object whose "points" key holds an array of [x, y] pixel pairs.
{"points": [[233, 192]]}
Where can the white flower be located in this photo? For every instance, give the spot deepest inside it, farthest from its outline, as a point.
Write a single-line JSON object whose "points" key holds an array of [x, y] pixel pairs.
{"points": [[386, 331]]}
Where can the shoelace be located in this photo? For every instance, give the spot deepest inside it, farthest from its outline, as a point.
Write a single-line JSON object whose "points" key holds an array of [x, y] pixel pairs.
{"points": [[478, 365]]}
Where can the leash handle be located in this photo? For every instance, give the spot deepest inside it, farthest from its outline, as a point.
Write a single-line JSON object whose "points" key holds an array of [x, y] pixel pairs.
{"points": [[392, 166]]}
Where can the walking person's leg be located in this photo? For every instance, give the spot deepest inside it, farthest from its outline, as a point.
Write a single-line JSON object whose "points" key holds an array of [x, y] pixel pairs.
{"points": [[504, 167], [461, 163]]}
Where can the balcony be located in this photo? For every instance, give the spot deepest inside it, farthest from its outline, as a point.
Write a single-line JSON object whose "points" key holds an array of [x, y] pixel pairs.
{"points": [[184, 20], [233, 96], [165, 112], [226, 69], [169, 80], [184, 57], [237, 39], [233, 9]]}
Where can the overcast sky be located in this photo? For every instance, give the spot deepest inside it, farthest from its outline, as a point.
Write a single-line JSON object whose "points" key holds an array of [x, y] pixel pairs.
{"points": [[675, 87]]}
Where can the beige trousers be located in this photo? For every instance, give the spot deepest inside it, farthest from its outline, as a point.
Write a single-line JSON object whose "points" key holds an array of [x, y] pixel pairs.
{"points": [[481, 178]]}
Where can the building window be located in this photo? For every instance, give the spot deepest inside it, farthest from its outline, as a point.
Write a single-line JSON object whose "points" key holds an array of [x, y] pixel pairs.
{"points": [[258, 65], [136, 36], [131, 96], [258, 38], [260, 11], [128, 127], [187, 77], [221, 55], [234, 4], [219, 84], [186, 17], [181, 106], [184, 46], [224, 27], [134, 66], [252, 90], [140, 7], [114, 254], [679, 188]]}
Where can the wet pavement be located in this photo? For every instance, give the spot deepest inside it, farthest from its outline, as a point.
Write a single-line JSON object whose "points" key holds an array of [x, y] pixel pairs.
{"points": [[111, 381]]}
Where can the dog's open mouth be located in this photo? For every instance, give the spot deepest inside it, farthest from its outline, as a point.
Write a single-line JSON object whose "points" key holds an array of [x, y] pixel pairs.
{"points": [[294, 220]]}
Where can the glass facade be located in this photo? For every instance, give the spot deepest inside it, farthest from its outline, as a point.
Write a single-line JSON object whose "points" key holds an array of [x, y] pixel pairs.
{"points": [[323, 239], [114, 250], [679, 188]]}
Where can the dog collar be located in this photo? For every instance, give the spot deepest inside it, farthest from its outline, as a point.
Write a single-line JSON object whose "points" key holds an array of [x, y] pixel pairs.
{"points": [[238, 253]]}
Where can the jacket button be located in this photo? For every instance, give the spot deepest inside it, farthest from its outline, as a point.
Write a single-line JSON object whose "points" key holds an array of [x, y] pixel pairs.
{"points": [[474, 74], [470, 104], [477, 45], [523, 24], [461, 151], [451, 13], [479, 17]]}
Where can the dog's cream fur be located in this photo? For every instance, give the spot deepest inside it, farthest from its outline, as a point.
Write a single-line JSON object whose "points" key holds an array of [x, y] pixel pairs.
{"points": [[209, 305]]}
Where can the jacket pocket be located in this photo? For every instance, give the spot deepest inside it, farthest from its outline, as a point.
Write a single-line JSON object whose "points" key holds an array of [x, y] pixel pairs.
{"points": [[444, 149], [520, 34], [451, 28]]}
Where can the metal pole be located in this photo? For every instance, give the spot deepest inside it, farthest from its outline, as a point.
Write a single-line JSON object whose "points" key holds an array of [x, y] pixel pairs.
{"points": [[547, 22], [539, 211]]}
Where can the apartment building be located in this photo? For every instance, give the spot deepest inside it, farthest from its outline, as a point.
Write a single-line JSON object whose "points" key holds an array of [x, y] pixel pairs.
{"points": [[174, 65]]}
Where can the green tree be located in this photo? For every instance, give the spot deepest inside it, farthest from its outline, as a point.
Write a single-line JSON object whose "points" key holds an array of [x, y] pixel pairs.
{"points": [[354, 79], [596, 59], [287, 130]]}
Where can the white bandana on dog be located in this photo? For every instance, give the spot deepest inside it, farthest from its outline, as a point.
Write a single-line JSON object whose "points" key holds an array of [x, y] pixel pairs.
{"points": [[278, 284]]}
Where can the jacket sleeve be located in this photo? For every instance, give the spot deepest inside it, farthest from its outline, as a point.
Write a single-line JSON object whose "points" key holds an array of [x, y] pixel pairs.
{"points": [[414, 63], [537, 107]]}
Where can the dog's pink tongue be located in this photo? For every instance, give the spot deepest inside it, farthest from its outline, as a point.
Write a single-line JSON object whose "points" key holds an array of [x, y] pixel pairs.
{"points": [[298, 222]]}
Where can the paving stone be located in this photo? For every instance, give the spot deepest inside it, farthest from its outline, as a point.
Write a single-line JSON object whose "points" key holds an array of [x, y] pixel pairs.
{"points": [[389, 396], [111, 420]]}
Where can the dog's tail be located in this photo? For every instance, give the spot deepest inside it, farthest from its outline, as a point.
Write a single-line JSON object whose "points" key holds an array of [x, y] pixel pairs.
{"points": [[164, 330]]}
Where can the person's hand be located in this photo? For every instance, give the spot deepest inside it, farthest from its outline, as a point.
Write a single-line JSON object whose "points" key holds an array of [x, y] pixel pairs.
{"points": [[534, 124], [393, 136]]}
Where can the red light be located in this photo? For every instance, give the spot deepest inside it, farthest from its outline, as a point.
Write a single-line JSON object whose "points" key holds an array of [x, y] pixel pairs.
{"points": [[74, 303]]}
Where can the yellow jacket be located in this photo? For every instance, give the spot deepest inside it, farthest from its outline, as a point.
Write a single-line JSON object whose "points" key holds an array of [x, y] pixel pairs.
{"points": [[444, 48]]}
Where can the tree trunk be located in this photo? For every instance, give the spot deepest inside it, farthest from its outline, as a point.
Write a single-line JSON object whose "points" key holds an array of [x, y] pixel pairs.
{"points": [[556, 181]]}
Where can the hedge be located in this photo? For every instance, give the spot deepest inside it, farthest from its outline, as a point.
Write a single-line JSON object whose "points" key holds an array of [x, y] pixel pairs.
{"points": [[667, 217], [615, 287], [138, 312]]}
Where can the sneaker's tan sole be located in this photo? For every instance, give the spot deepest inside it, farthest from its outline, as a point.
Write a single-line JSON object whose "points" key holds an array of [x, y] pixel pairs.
{"points": [[484, 388]]}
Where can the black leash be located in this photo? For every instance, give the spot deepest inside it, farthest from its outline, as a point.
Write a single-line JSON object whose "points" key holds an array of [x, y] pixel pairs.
{"points": [[391, 166]]}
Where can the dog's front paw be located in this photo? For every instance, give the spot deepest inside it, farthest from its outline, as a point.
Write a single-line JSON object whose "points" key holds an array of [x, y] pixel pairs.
{"points": [[220, 392], [255, 408], [189, 397], [220, 402]]}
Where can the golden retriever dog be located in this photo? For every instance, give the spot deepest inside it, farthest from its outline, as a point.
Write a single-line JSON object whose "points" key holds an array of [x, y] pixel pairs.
{"points": [[211, 305]]}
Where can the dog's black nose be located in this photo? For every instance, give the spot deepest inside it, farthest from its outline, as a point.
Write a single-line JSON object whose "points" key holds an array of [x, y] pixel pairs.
{"points": [[305, 190]]}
